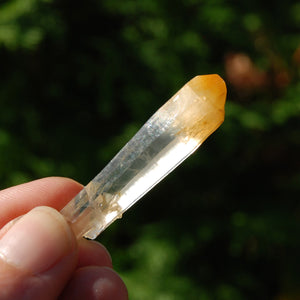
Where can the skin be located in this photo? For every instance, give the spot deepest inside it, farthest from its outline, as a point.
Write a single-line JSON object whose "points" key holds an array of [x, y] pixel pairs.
{"points": [[40, 257]]}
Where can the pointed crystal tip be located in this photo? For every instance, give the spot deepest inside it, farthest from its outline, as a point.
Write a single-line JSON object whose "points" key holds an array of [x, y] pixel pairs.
{"points": [[200, 106], [211, 88]]}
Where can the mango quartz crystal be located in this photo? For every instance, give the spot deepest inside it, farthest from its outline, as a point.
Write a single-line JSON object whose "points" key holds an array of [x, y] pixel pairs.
{"points": [[174, 132]]}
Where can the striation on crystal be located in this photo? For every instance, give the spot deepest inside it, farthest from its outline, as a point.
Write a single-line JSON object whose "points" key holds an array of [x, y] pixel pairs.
{"points": [[173, 133]]}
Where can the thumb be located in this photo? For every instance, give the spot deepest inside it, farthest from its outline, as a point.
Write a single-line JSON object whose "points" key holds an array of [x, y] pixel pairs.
{"points": [[38, 253]]}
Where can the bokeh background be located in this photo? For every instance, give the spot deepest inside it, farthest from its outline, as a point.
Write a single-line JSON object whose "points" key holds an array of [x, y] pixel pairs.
{"points": [[77, 80]]}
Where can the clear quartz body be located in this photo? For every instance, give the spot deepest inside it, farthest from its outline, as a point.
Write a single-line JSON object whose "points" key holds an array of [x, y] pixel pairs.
{"points": [[174, 132]]}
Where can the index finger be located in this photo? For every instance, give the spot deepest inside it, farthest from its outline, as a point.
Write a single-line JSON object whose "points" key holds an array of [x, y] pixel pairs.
{"points": [[55, 192]]}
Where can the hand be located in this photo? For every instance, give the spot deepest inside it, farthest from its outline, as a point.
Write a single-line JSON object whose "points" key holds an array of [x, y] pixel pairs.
{"points": [[39, 255]]}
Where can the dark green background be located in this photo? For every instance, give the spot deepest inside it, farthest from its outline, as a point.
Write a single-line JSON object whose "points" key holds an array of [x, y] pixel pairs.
{"points": [[78, 78]]}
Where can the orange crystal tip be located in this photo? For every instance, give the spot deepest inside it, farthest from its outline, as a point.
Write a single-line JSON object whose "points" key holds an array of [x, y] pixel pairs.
{"points": [[204, 99], [212, 87]]}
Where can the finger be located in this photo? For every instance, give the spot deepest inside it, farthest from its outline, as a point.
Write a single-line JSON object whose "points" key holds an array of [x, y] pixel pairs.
{"points": [[53, 191], [92, 253], [95, 283], [38, 254]]}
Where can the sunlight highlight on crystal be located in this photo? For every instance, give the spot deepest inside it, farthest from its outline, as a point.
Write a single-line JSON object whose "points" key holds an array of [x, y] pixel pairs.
{"points": [[173, 133]]}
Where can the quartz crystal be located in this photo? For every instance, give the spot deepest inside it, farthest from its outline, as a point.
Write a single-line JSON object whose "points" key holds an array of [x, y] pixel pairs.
{"points": [[174, 132]]}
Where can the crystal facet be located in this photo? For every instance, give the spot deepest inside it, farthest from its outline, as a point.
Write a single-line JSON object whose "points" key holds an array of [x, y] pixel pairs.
{"points": [[174, 132]]}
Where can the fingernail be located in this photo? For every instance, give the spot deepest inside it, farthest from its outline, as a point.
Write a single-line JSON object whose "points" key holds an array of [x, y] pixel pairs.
{"points": [[37, 241]]}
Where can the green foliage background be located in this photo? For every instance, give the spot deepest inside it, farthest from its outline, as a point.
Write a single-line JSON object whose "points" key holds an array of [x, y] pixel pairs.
{"points": [[78, 78]]}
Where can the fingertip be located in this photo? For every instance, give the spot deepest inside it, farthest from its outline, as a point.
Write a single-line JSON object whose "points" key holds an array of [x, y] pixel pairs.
{"points": [[38, 240], [38, 254], [96, 283], [92, 253]]}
